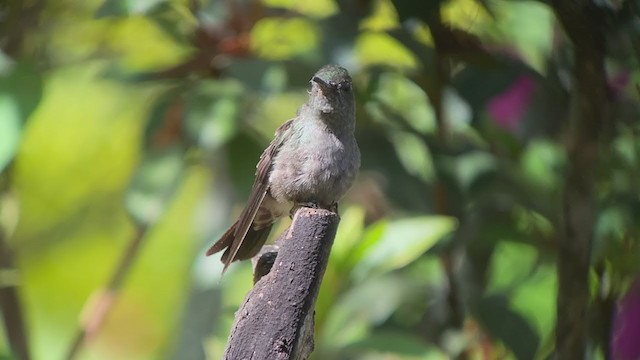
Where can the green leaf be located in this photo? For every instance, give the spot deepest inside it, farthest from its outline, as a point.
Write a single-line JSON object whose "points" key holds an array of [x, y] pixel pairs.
{"points": [[511, 264], [541, 163], [10, 129], [414, 154], [531, 287], [511, 328], [153, 184], [393, 245], [20, 93], [349, 321], [397, 343], [212, 110], [126, 7], [349, 234], [535, 300], [283, 38]]}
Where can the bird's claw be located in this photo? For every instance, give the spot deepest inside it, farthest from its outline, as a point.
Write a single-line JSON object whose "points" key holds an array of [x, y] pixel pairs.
{"points": [[312, 205]]}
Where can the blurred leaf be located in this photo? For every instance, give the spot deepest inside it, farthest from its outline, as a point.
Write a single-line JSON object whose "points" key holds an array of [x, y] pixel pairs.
{"points": [[153, 185], [348, 236], [471, 15], [529, 26], [404, 98], [511, 263], [541, 162], [349, 321], [318, 8], [515, 276], [10, 129], [421, 53], [20, 92], [470, 167], [383, 17], [380, 48], [282, 38], [126, 7], [394, 244], [406, 191], [212, 111], [396, 343], [535, 299], [414, 154], [245, 152], [23, 82], [143, 46], [175, 19], [503, 323], [626, 147]]}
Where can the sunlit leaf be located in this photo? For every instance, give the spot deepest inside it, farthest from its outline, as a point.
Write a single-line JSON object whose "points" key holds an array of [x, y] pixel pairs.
{"points": [[278, 39], [383, 17], [541, 162], [400, 242], [350, 321], [511, 263], [414, 154], [407, 99], [349, 233], [126, 7], [319, 8], [10, 129], [398, 344], [379, 48], [469, 15], [529, 26], [535, 300]]}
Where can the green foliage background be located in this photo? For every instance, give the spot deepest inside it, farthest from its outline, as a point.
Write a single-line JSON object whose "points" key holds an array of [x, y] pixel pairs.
{"points": [[121, 118]]}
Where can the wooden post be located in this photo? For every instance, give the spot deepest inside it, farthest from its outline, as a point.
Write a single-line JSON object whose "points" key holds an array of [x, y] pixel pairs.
{"points": [[276, 319]]}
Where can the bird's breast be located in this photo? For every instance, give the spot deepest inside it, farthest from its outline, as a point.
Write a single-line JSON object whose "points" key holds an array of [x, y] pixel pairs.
{"points": [[317, 167]]}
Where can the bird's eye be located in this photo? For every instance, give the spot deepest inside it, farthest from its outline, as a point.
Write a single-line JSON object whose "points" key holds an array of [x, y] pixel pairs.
{"points": [[344, 86]]}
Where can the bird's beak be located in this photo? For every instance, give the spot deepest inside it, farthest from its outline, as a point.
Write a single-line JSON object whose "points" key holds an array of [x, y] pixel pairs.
{"points": [[321, 82]]}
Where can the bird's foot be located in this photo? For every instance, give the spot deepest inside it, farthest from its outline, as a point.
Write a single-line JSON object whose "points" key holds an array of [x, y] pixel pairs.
{"points": [[334, 207], [307, 204], [313, 205]]}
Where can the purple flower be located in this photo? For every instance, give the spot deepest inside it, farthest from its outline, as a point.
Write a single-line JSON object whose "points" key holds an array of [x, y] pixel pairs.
{"points": [[507, 108], [625, 344]]}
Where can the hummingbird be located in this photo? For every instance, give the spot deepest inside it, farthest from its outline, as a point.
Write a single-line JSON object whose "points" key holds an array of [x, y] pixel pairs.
{"points": [[312, 162]]}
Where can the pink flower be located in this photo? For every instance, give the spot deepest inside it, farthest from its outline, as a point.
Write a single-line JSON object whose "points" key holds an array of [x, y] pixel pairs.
{"points": [[625, 343], [507, 108]]}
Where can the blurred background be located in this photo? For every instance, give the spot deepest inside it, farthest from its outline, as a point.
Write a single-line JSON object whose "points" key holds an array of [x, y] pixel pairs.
{"points": [[130, 130]]}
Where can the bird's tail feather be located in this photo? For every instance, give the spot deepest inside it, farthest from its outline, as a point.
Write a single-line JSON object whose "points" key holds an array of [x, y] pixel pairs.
{"points": [[249, 247]]}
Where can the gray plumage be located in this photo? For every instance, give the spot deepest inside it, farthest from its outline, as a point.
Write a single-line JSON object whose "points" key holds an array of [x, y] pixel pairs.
{"points": [[313, 160]]}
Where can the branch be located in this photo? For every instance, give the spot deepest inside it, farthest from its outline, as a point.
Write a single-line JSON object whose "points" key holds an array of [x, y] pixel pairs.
{"points": [[276, 319], [582, 21]]}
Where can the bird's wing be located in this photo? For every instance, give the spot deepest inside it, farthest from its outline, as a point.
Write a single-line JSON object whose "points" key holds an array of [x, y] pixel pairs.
{"points": [[258, 192]]}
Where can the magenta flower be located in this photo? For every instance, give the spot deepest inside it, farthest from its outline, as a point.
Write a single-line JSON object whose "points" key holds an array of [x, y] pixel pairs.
{"points": [[507, 109], [625, 344]]}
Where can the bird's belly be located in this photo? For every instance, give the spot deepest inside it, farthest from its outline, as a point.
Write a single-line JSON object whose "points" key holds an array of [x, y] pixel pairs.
{"points": [[319, 173]]}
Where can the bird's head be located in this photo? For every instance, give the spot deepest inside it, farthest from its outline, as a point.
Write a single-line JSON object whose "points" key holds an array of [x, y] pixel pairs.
{"points": [[331, 89]]}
